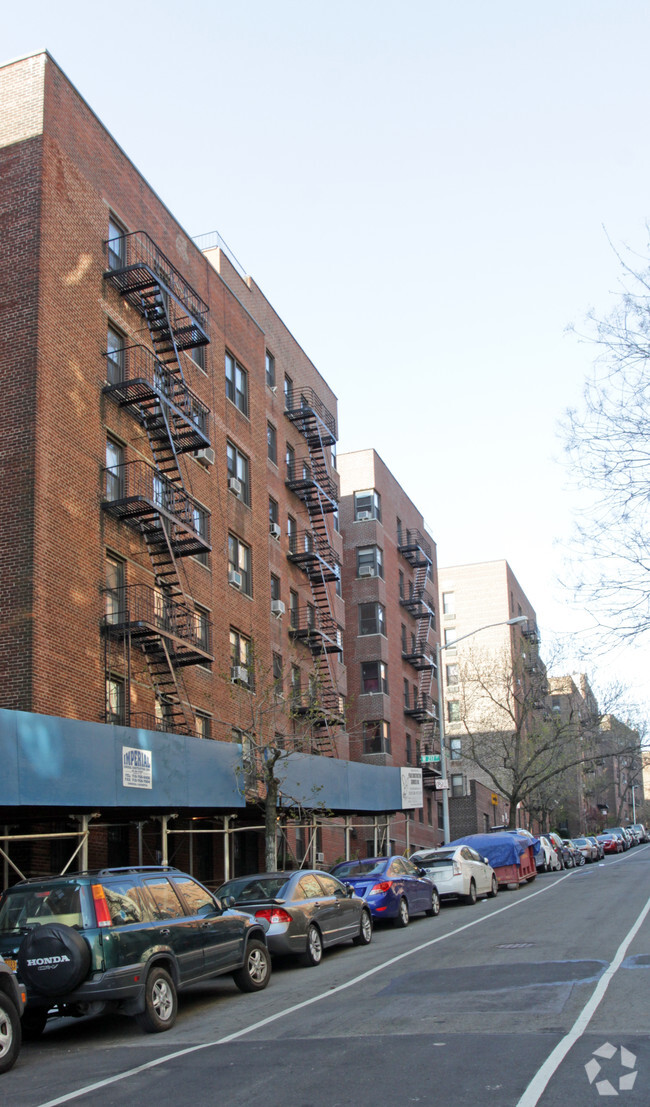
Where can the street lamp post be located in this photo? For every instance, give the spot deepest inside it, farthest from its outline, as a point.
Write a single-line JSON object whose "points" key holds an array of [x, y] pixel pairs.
{"points": [[441, 723]]}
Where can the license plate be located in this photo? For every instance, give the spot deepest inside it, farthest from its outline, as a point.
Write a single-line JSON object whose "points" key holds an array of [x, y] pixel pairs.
{"points": [[11, 963]]}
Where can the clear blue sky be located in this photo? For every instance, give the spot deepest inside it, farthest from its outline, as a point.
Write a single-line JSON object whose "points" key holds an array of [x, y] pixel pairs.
{"points": [[420, 190]]}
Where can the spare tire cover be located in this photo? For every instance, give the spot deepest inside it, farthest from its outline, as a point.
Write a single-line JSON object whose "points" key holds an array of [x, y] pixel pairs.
{"points": [[53, 959]]}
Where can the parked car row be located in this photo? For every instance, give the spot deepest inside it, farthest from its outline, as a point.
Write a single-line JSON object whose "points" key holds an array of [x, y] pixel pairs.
{"points": [[565, 853]]}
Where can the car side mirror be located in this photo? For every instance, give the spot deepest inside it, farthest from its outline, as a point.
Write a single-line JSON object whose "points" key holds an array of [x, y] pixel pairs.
{"points": [[485, 861], [421, 872], [349, 890], [227, 901]]}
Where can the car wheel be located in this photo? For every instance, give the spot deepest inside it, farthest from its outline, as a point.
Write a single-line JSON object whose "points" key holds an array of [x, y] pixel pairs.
{"points": [[402, 917], [33, 1023], [434, 910], [364, 937], [160, 1002], [471, 898], [10, 1036], [313, 955], [255, 973], [494, 888]]}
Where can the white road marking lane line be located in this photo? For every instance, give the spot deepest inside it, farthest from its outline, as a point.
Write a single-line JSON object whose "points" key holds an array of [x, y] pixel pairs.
{"points": [[70, 1096], [539, 1083]]}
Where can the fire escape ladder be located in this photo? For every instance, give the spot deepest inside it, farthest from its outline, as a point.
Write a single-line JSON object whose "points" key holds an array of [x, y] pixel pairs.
{"points": [[154, 309], [159, 430], [168, 685], [164, 561]]}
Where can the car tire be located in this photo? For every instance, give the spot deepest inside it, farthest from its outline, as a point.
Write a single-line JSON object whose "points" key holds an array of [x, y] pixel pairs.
{"points": [[434, 910], [53, 959], [494, 888], [10, 1035], [255, 973], [313, 954], [160, 1002], [364, 937], [402, 917], [471, 898]]}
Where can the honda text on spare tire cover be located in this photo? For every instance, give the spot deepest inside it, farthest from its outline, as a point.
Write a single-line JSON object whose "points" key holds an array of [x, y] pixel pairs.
{"points": [[123, 939]]}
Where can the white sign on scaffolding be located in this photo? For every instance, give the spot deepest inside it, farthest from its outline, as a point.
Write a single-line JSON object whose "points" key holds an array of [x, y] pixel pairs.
{"points": [[137, 768], [411, 780]]}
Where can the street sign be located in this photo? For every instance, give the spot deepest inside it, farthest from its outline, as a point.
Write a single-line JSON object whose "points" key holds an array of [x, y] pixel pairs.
{"points": [[495, 799], [441, 785], [427, 758]]}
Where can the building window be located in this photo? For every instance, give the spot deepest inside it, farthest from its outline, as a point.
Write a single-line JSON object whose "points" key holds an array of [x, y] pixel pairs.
{"points": [[336, 520], [271, 443], [238, 469], [115, 356], [407, 694], [453, 711], [200, 517], [400, 584], [114, 470], [203, 724], [455, 746], [236, 384], [116, 244], [371, 618], [441, 816], [115, 700], [450, 639], [429, 812], [367, 505], [409, 749], [275, 587], [292, 533], [373, 677], [399, 531], [274, 512], [270, 369], [197, 354], [290, 456], [457, 784], [239, 562], [293, 609], [449, 603], [113, 596], [240, 658], [295, 683], [370, 562], [376, 736], [278, 674], [288, 393], [453, 675], [202, 628]]}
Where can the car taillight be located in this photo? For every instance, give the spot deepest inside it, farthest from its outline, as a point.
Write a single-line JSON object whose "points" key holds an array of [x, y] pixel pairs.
{"points": [[457, 870], [101, 906], [273, 914], [379, 889]]}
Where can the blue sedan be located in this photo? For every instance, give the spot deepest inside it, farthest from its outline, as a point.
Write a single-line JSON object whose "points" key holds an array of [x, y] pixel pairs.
{"points": [[392, 887]]}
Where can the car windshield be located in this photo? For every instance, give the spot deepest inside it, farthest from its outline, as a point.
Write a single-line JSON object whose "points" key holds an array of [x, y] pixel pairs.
{"points": [[253, 889], [372, 867], [23, 908], [580, 841]]}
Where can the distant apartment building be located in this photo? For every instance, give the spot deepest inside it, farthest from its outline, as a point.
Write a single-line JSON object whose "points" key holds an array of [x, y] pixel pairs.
{"points": [[170, 552], [476, 601], [389, 585], [573, 797]]}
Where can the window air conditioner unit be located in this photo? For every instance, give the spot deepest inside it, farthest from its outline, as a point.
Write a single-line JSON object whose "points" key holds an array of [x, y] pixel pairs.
{"points": [[205, 456], [277, 607], [364, 515], [234, 578], [274, 529], [320, 857], [239, 673], [234, 485], [366, 571]]}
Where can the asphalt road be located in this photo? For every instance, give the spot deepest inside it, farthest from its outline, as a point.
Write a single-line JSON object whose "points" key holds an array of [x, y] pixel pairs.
{"points": [[502, 1003]]}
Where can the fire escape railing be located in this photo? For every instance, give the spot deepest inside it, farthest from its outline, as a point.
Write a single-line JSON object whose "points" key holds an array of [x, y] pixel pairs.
{"points": [[146, 500], [147, 614]]}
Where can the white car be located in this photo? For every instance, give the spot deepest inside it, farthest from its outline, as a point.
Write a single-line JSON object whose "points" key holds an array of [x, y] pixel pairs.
{"points": [[547, 859], [457, 871]]}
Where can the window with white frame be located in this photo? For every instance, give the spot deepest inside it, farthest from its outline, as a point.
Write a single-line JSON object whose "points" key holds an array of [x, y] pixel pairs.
{"points": [[293, 609], [370, 562], [288, 393], [453, 675], [274, 512], [372, 618], [376, 736], [203, 724], [367, 505], [456, 749], [240, 658], [275, 587], [114, 470], [115, 703], [238, 468], [236, 384], [453, 711], [239, 562], [373, 677], [457, 788], [202, 628], [200, 517], [114, 593], [449, 603], [450, 638], [271, 443], [116, 245], [115, 355], [270, 369], [290, 457]]}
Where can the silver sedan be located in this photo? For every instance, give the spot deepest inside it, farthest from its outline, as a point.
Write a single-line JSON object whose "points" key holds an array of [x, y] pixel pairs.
{"points": [[458, 871], [307, 911]]}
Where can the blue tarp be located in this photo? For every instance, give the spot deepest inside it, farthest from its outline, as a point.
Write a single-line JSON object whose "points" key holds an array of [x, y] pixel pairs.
{"points": [[500, 849]]}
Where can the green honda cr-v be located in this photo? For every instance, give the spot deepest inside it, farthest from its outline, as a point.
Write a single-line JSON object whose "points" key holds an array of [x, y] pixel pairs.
{"points": [[127, 939]]}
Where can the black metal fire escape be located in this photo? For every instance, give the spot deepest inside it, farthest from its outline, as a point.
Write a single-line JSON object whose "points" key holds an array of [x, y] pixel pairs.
{"points": [[309, 478], [420, 605], [154, 500]]}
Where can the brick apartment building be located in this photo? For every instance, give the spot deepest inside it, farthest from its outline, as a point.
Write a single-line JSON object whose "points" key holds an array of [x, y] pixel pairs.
{"points": [[169, 550], [481, 597], [389, 585]]}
